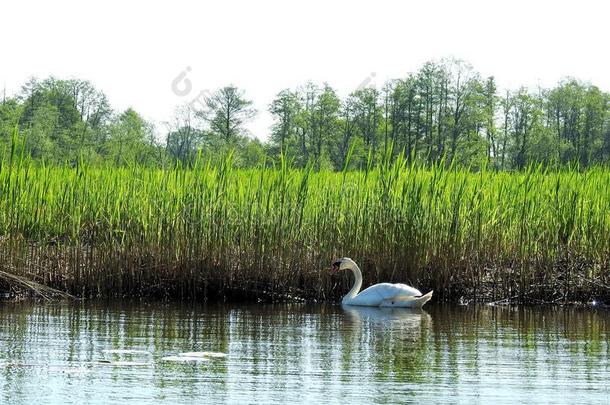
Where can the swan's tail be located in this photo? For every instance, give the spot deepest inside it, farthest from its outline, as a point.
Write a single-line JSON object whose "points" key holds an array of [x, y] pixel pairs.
{"points": [[407, 302]]}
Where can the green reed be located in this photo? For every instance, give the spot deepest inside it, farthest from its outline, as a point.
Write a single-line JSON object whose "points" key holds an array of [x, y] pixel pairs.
{"points": [[215, 231]]}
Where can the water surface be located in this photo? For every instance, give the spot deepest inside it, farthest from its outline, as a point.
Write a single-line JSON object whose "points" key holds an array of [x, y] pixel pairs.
{"points": [[113, 352]]}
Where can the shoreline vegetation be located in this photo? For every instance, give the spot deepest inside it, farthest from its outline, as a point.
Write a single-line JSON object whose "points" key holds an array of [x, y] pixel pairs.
{"points": [[437, 179], [215, 232], [444, 111]]}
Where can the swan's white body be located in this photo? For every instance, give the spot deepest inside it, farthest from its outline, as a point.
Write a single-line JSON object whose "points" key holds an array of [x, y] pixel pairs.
{"points": [[383, 294]]}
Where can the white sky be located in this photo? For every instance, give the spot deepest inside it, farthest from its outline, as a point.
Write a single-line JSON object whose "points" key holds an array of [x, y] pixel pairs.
{"points": [[133, 50]]}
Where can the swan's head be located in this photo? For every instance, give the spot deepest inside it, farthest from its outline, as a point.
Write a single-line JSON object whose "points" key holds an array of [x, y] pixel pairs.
{"points": [[343, 264]]}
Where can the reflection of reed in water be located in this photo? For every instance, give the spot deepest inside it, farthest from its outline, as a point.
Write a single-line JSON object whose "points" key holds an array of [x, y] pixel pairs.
{"points": [[390, 343]]}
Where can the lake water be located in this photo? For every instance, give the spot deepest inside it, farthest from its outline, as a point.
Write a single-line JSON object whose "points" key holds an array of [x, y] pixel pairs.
{"points": [[113, 353]]}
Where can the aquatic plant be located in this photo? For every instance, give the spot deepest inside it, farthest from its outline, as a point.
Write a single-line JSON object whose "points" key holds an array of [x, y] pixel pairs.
{"points": [[217, 232]]}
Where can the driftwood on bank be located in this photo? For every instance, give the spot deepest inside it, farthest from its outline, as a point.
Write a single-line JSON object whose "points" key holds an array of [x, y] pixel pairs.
{"points": [[31, 286]]}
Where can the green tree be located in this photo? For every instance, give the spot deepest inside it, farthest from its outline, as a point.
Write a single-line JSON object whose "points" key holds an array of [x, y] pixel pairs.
{"points": [[184, 138], [464, 95], [285, 109], [131, 139], [367, 116], [10, 111], [69, 114], [490, 101], [524, 117], [324, 124], [405, 115], [227, 110]]}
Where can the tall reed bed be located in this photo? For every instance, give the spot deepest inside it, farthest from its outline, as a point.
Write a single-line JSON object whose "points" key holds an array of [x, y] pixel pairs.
{"points": [[216, 232]]}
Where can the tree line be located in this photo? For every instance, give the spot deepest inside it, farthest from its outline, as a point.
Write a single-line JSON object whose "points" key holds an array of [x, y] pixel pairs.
{"points": [[444, 112]]}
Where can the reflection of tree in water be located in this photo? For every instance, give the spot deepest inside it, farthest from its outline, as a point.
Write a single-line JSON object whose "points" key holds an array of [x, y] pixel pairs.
{"points": [[293, 353], [269, 340], [38, 340]]}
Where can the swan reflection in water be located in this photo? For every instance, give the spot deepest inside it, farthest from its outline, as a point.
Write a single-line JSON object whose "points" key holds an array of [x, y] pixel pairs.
{"points": [[399, 318], [390, 339]]}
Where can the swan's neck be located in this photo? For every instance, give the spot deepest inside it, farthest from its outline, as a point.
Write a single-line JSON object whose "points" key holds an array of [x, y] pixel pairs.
{"points": [[357, 283]]}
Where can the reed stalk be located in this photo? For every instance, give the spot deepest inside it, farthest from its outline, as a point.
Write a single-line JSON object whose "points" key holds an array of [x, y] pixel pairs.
{"points": [[212, 231]]}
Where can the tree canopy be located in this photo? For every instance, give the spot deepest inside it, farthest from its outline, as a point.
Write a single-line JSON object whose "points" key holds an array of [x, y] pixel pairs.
{"points": [[444, 112]]}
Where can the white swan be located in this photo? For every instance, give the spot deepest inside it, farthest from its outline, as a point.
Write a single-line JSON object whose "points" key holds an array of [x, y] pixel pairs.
{"points": [[380, 295]]}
